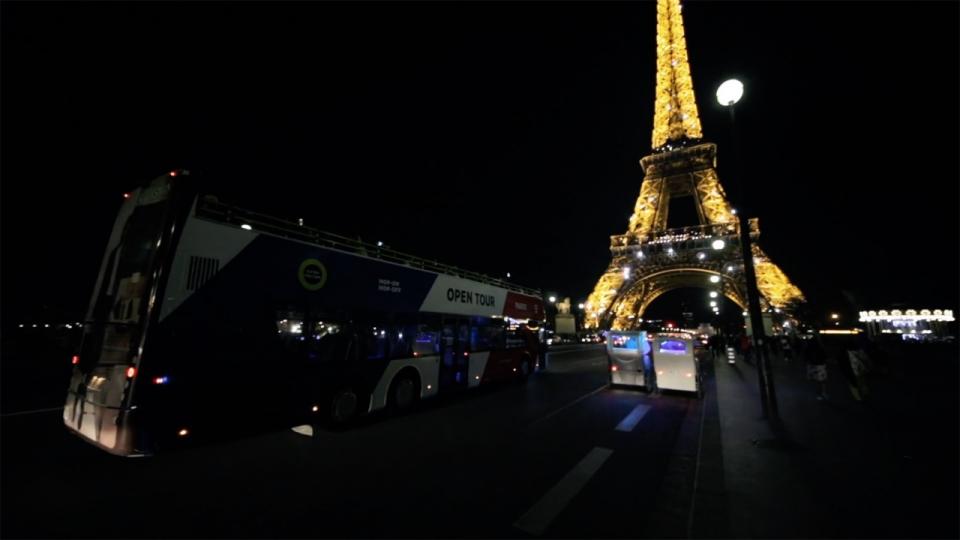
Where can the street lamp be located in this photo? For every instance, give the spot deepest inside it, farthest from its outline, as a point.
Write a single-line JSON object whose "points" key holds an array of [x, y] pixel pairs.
{"points": [[728, 94], [553, 299]]}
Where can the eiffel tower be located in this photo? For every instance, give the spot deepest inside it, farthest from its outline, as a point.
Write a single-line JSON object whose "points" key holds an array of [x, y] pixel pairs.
{"points": [[650, 259]]}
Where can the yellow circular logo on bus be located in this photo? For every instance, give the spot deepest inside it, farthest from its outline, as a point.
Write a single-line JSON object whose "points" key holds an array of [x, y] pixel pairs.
{"points": [[312, 274]]}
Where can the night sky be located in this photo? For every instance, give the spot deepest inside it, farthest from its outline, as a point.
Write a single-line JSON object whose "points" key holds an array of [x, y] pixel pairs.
{"points": [[494, 136]]}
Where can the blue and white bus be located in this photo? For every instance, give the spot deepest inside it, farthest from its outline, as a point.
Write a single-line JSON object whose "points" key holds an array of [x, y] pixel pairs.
{"points": [[204, 313]]}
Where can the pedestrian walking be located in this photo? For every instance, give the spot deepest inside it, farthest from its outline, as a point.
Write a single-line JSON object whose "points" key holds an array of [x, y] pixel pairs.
{"points": [[745, 348], [858, 364], [816, 358], [786, 348], [716, 345]]}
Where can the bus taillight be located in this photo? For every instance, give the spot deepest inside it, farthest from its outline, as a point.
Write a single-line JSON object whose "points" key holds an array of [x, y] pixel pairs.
{"points": [[75, 360], [131, 371], [613, 368]]}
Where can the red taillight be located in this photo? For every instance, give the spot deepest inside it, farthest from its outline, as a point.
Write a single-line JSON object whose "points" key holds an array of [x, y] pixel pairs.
{"points": [[613, 368], [466, 354], [126, 195], [173, 173], [75, 360], [131, 371]]}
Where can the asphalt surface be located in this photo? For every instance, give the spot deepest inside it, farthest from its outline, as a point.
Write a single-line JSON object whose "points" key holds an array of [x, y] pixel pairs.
{"points": [[544, 458]]}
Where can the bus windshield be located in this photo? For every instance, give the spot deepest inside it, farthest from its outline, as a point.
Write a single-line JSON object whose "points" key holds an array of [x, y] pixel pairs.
{"points": [[122, 298]]}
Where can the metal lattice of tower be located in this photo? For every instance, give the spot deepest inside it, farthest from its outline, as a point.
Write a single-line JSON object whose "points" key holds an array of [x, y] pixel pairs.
{"points": [[651, 259]]}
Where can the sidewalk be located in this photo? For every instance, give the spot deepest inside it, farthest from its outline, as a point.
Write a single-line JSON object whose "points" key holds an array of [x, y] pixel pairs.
{"points": [[882, 467]]}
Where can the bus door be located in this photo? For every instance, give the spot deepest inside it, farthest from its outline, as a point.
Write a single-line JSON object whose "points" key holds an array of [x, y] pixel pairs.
{"points": [[454, 339]]}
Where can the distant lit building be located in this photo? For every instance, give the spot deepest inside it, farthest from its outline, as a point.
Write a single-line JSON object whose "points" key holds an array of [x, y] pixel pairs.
{"points": [[910, 323]]}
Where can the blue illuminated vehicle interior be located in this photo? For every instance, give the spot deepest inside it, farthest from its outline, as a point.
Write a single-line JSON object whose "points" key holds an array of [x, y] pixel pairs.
{"points": [[673, 347], [623, 342]]}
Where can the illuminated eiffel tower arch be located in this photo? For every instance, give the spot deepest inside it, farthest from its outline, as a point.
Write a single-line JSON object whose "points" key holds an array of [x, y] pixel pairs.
{"points": [[650, 259]]}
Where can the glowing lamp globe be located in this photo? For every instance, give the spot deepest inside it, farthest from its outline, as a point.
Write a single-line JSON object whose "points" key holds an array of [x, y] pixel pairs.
{"points": [[730, 92]]}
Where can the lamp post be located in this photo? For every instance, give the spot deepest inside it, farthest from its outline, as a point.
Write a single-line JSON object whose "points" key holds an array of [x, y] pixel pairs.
{"points": [[728, 94]]}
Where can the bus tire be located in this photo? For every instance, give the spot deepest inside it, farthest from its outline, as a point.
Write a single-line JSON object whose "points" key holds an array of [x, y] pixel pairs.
{"points": [[343, 406], [404, 390]]}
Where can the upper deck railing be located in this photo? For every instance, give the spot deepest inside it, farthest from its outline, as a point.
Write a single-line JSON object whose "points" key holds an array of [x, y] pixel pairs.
{"points": [[211, 209]]}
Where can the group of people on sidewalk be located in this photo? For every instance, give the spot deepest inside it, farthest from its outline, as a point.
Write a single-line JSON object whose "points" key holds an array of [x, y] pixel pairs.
{"points": [[854, 358]]}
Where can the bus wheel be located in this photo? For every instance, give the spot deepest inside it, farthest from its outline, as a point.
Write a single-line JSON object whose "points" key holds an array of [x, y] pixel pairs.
{"points": [[343, 406], [404, 391]]}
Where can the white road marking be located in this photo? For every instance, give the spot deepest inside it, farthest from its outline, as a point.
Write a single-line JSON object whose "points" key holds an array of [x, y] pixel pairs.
{"points": [[632, 419], [696, 473], [305, 429], [539, 517]]}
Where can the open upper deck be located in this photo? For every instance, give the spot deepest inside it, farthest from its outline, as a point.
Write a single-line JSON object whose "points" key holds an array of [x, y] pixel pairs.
{"points": [[210, 209]]}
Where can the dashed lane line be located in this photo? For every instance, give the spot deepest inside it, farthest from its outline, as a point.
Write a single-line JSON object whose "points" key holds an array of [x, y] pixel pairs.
{"points": [[538, 518], [632, 419]]}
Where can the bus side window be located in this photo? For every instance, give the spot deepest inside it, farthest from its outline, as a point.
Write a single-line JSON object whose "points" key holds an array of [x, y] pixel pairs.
{"points": [[290, 329], [454, 335], [375, 338], [463, 335], [448, 336], [403, 335], [346, 347], [513, 338], [486, 334], [428, 340], [323, 339]]}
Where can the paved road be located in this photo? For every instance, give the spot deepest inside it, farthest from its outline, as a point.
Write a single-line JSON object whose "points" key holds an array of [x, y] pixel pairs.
{"points": [[559, 456]]}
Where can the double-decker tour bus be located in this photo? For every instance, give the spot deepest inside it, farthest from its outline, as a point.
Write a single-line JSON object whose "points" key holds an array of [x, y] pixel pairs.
{"points": [[205, 313]]}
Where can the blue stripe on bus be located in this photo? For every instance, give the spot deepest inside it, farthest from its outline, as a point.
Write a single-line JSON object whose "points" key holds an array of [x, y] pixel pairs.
{"points": [[283, 270]]}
